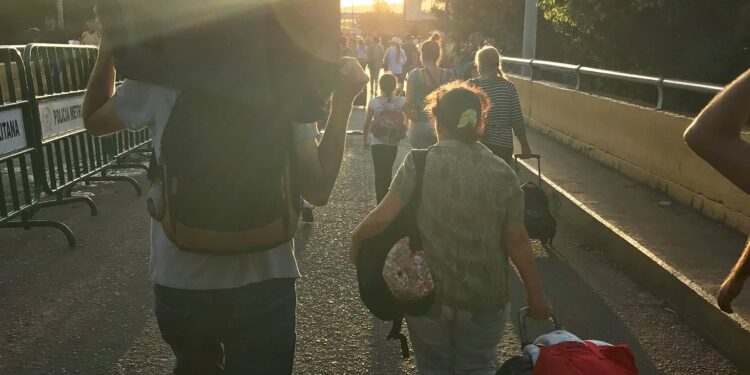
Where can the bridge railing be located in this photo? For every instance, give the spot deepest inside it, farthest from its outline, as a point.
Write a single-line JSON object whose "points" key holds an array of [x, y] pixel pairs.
{"points": [[529, 66]]}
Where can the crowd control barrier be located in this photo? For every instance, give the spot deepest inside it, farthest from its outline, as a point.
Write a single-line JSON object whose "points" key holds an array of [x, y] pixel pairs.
{"points": [[20, 190], [57, 76]]}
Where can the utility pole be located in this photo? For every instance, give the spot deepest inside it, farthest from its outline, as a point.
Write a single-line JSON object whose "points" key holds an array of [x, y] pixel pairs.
{"points": [[529, 32], [60, 16]]}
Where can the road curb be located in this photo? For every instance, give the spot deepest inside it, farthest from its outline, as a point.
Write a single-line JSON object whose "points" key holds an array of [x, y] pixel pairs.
{"points": [[730, 334]]}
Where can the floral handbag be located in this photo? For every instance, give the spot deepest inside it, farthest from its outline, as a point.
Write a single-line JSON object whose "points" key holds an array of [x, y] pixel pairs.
{"points": [[406, 271]]}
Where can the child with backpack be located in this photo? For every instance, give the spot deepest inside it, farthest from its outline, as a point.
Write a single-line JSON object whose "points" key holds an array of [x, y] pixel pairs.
{"points": [[470, 222], [385, 127]]}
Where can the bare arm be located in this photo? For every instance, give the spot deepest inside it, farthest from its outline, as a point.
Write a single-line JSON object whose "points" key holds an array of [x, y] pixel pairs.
{"points": [[366, 130], [99, 116], [518, 246], [320, 164], [410, 107], [732, 286], [715, 134], [375, 223]]}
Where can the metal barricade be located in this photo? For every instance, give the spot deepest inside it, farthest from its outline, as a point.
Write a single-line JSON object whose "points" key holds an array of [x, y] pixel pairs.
{"points": [[20, 190], [57, 76]]}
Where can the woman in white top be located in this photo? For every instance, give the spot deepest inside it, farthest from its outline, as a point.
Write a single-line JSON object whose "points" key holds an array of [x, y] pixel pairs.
{"points": [[395, 59], [383, 151]]}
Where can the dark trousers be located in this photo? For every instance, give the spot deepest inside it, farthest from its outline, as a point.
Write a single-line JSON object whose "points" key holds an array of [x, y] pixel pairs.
{"points": [[248, 330], [383, 157], [505, 153]]}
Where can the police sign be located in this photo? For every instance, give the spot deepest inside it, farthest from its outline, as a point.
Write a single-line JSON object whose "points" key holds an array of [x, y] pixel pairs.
{"points": [[12, 133], [59, 117]]}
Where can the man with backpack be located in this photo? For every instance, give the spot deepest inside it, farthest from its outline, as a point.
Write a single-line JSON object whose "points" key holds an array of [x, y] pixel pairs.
{"points": [[716, 136], [222, 259]]}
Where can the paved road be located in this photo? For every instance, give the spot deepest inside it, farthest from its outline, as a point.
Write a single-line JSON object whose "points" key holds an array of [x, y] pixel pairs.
{"points": [[88, 310]]}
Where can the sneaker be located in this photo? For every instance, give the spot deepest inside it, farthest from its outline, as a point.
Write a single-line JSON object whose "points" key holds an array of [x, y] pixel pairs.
{"points": [[307, 215]]}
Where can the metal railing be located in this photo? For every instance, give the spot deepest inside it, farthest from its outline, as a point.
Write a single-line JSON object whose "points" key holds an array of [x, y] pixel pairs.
{"points": [[579, 71], [20, 190]]}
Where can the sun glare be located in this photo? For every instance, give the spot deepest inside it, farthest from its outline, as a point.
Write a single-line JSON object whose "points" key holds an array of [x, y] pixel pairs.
{"points": [[360, 3]]}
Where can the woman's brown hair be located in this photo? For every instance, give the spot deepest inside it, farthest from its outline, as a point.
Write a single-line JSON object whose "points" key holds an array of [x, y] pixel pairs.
{"points": [[450, 102], [430, 51]]}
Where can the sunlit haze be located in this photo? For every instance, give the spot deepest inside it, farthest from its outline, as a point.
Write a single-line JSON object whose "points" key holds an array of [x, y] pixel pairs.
{"points": [[358, 3]]}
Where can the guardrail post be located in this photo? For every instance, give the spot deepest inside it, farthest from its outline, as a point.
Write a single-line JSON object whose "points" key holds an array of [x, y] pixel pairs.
{"points": [[578, 78], [531, 70], [660, 90]]}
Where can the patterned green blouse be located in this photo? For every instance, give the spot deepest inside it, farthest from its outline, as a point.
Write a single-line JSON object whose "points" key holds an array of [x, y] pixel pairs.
{"points": [[468, 193]]}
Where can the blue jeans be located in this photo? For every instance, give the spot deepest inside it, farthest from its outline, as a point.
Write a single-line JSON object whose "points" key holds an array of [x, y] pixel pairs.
{"points": [[248, 330], [449, 341]]}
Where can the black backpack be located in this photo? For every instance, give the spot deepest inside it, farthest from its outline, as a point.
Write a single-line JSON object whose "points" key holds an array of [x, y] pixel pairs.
{"points": [[537, 216], [372, 287], [228, 175]]}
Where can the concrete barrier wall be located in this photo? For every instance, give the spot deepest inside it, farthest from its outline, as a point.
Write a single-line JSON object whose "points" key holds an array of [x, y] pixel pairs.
{"points": [[642, 143]]}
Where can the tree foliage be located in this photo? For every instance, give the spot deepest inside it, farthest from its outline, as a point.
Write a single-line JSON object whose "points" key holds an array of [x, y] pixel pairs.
{"points": [[688, 39]]}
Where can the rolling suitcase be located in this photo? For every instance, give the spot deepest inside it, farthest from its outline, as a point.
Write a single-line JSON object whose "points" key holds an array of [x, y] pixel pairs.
{"points": [[540, 223]]}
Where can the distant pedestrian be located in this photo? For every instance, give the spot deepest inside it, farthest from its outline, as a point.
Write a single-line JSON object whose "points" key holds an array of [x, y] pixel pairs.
{"points": [[386, 107], [375, 54], [412, 54], [394, 60], [505, 117], [360, 52], [91, 37], [716, 136], [421, 83], [346, 49], [471, 221], [51, 33]]}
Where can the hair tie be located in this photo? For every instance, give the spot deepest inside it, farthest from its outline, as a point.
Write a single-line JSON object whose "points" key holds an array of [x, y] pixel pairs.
{"points": [[468, 118]]}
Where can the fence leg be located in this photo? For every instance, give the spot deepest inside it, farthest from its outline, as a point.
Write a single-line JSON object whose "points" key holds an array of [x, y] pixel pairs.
{"points": [[61, 201], [129, 180], [129, 166], [28, 224]]}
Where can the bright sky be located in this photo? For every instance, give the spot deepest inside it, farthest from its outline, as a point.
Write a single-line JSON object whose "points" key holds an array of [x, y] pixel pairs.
{"points": [[348, 3]]}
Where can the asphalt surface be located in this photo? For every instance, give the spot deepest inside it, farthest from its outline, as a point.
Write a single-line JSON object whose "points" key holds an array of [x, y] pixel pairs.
{"points": [[89, 310]]}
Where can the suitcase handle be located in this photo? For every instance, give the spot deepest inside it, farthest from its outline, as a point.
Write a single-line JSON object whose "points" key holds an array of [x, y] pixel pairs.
{"points": [[523, 314], [538, 164]]}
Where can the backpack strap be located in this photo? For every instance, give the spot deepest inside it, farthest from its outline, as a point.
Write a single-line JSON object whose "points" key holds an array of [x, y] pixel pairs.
{"points": [[395, 334], [154, 172]]}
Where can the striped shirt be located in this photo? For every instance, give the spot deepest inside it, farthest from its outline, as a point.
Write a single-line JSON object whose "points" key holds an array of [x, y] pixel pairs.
{"points": [[505, 116]]}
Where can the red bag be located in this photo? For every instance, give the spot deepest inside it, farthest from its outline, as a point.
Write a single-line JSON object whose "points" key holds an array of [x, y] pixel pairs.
{"points": [[389, 124], [576, 358]]}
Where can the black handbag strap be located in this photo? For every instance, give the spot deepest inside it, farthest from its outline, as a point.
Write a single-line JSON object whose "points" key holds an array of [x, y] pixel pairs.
{"points": [[420, 161], [395, 334]]}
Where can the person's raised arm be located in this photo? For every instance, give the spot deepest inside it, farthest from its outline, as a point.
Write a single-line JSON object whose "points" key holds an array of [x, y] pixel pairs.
{"points": [[518, 246], [715, 134], [320, 164], [99, 116]]}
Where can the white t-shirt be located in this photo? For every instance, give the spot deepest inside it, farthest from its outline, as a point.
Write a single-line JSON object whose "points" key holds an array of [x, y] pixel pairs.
{"points": [[395, 63], [139, 104], [379, 103]]}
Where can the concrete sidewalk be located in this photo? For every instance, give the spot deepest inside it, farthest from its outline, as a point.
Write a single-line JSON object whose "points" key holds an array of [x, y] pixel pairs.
{"points": [[675, 252]]}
